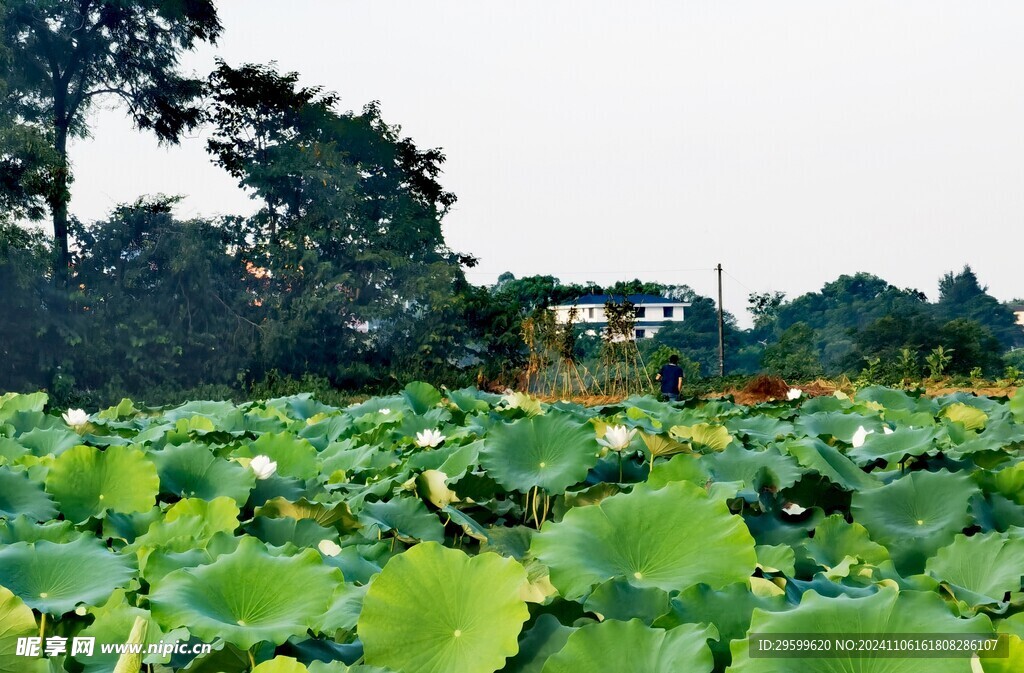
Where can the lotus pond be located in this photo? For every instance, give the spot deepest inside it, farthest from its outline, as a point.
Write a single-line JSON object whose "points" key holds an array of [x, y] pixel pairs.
{"points": [[465, 532]]}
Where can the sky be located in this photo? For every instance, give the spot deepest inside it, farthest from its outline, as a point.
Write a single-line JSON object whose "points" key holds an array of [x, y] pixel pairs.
{"points": [[790, 141]]}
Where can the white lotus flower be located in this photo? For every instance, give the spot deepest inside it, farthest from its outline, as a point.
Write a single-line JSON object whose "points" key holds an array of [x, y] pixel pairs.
{"points": [[794, 394], [75, 417], [263, 466], [329, 548], [617, 437], [887, 430], [429, 439], [858, 437], [794, 509], [384, 412]]}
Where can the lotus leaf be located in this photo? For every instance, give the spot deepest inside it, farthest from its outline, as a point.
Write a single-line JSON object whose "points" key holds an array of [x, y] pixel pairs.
{"points": [[87, 482], [437, 610], [648, 538], [632, 647]]}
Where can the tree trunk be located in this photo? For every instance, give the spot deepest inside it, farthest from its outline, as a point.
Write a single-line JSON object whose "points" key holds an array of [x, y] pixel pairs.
{"points": [[59, 198]]}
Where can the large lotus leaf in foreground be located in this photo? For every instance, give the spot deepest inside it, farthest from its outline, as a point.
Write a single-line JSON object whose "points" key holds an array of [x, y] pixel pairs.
{"points": [[437, 610], [632, 647], [980, 569], [87, 482], [915, 515], [247, 596], [16, 621], [553, 452], [54, 578], [670, 539], [886, 612]]}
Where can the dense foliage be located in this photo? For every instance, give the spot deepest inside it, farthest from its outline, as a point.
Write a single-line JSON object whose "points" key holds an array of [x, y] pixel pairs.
{"points": [[460, 531]]}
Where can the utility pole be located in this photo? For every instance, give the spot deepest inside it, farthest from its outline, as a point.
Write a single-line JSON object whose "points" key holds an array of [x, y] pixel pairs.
{"points": [[721, 325]]}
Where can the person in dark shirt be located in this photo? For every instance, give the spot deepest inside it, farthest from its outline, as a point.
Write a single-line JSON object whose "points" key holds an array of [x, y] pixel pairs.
{"points": [[671, 377]]}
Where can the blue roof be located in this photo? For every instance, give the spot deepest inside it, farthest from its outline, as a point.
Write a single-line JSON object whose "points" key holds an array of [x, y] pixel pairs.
{"points": [[603, 299]]}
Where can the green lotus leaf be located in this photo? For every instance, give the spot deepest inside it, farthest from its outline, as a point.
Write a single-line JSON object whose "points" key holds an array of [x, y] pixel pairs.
{"points": [[302, 406], [338, 667], [759, 428], [551, 452], [247, 596], [648, 538], [190, 523], [632, 647], [128, 527], [113, 624], [728, 610], [122, 410], [407, 517], [1009, 481], [50, 441], [703, 435], [321, 433], [24, 529], [16, 621], [421, 397], [659, 446], [1013, 662], [545, 638], [27, 421], [156, 563], [338, 516], [470, 400], [692, 468], [192, 471], [826, 460], [12, 403], [285, 530], [343, 614], [21, 495], [777, 558], [281, 665], [10, 450], [295, 457], [884, 612], [836, 542], [360, 562], [437, 610], [618, 599], [915, 515], [54, 578], [214, 410], [896, 446], [87, 482], [980, 569], [836, 424], [972, 418], [755, 469]]}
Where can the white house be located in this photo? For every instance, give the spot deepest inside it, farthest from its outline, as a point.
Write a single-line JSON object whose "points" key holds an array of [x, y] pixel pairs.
{"points": [[1018, 310], [652, 312]]}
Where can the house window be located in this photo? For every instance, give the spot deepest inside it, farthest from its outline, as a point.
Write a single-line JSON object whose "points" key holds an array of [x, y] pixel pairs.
{"points": [[668, 311], [640, 333], [641, 311], [590, 313]]}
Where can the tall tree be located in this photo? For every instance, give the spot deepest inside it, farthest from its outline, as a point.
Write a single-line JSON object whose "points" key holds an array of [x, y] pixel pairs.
{"points": [[65, 55], [349, 230], [961, 295]]}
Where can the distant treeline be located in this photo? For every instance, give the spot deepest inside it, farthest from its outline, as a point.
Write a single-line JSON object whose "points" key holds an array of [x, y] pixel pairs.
{"points": [[342, 279]]}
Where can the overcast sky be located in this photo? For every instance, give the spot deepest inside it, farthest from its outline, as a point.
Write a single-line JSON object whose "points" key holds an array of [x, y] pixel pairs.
{"points": [[598, 139]]}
